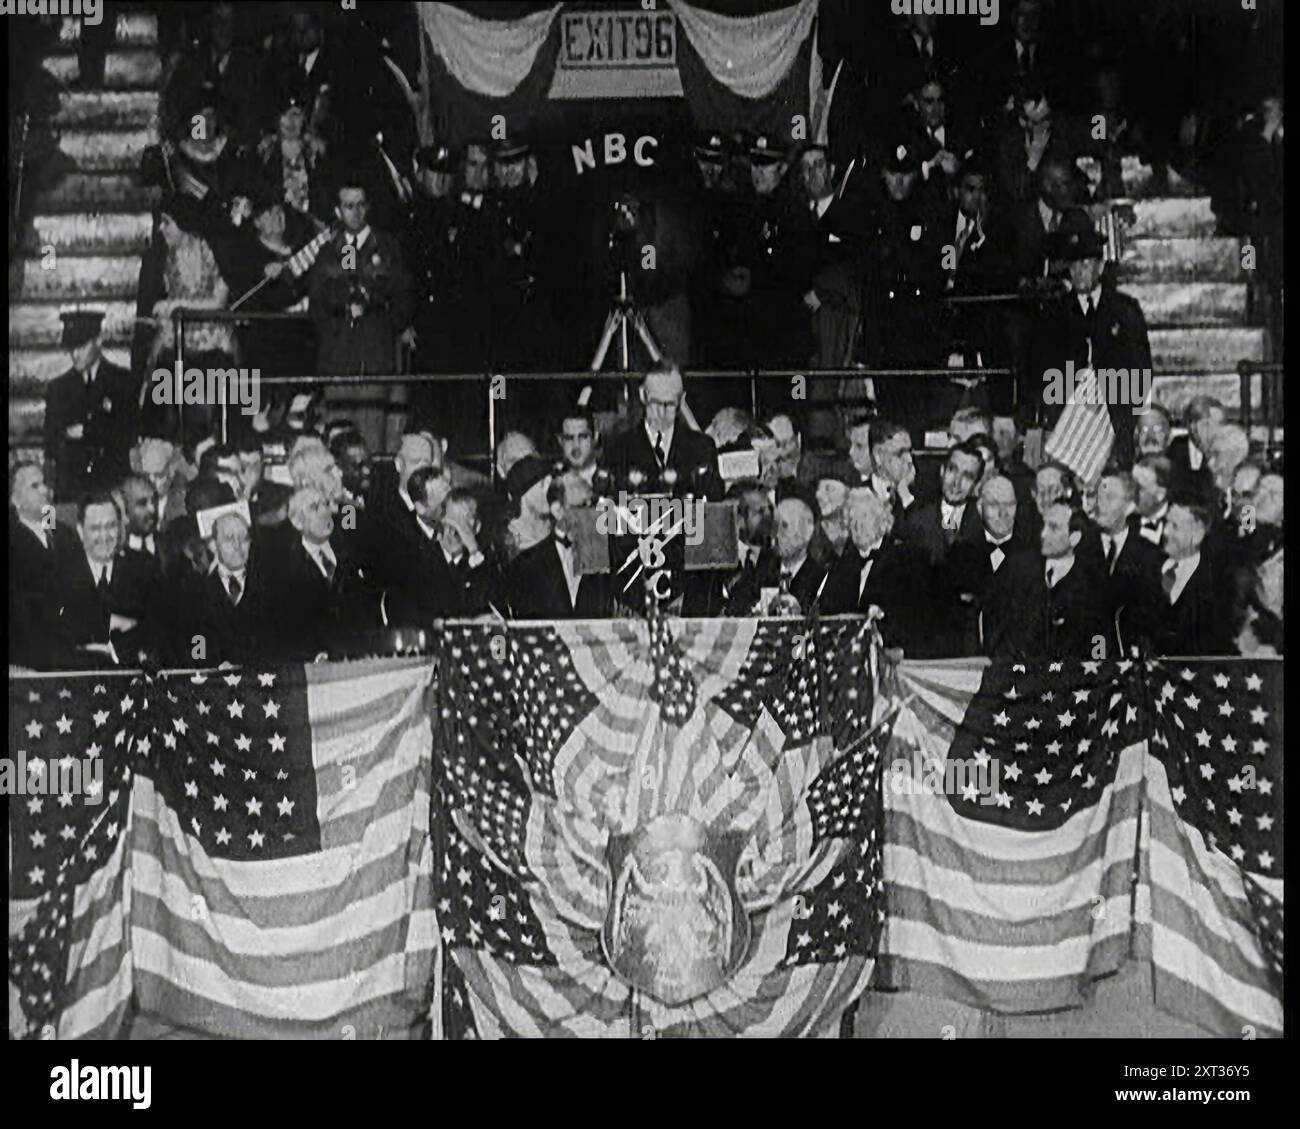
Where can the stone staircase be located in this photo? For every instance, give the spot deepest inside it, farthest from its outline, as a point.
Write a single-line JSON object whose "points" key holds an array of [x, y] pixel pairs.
{"points": [[83, 243], [1193, 291]]}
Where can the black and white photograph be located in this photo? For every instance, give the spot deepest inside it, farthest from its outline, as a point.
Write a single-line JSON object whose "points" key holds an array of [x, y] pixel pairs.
{"points": [[647, 520]]}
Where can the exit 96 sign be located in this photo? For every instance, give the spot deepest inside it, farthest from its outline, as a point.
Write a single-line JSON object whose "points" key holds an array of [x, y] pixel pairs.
{"points": [[617, 53]]}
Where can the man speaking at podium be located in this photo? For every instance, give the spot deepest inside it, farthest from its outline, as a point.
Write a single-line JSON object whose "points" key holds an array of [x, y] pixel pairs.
{"points": [[664, 453]]}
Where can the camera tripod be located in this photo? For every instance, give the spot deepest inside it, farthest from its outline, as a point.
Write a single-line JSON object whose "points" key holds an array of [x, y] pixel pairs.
{"points": [[623, 318]]}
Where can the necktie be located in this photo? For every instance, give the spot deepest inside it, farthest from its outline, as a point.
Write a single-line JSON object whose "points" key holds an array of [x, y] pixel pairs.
{"points": [[1092, 308], [234, 588], [101, 585], [330, 565], [1050, 575], [660, 456], [1168, 577], [1054, 222], [1112, 551]]}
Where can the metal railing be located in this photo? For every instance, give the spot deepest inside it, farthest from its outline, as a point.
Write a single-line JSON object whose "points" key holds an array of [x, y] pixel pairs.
{"points": [[1270, 374]]}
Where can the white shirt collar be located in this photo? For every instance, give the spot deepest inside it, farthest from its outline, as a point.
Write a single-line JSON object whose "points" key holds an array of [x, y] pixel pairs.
{"points": [[1195, 456], [1060, 567], [320, 553], [996, 543], [571, 577], [950, 513], [1183, 570], [405, 498], [1094, 294], [42, 534], [823, 205], [359, 239], [88, 377], [96, 568], [667, 433], [1046, 211], [310, 61], [792, 570]]}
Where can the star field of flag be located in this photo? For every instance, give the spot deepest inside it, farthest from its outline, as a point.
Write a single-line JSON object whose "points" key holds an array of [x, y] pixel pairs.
{"points": [[52, 723], [235, 762], [1218, 728], [38, 955], [674, 686], [1055, 731]]}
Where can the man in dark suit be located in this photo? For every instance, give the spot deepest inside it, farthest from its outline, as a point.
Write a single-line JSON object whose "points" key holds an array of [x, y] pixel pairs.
{"points": [[542, 582], [91, 413], [1153, 476], [973, 565], [934, 527], [228, 614], [893, 468], [943, 145], [1129, 563], [1194, 615], [361, 302], [1097, 327], [788, 570], [36, 545], [877, 571], [1189, 453], [1028, 142], [140, 508], [390, 509], [107, 596], [1014, 65], [739, 590], [1051, 603], [663, 453], [326, 596]]}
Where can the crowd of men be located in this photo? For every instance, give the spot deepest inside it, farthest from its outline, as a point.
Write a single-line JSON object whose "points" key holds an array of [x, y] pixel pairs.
{"points": [[772, 251], [329, 551]]}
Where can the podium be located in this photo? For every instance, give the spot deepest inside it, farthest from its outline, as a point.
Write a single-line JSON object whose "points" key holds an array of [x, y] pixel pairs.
{"points": [[653, 535]]}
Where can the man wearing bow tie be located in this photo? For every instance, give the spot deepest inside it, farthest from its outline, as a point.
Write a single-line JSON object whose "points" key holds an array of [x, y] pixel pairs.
{"points": [[1152, 477], [361, 304], [1050, 603], [140, 504], [974, 564], [91, 413]]}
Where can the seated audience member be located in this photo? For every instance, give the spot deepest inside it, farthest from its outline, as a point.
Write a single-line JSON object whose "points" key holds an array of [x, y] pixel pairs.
{"points": [[857, 434], [789, 571], [934, 527], [1258, 518], [973, 564], [1035, 219], [476, 587], [1048, 603], [740, 589], [968, 422], [514, 446], [353, 457], [1153, 476], [226, 615], [1052, 483], [140, 505], [315, 466], [893, 471], [875, 570], [1194, 614], [1130, 564], [159, 461], [1204, 416], [831, 522], [220, 462], [577, 442], [252, 468], [542, 581], [1260, 633], [107, 596], [1152, 431], [326, 598], [729, 428], [1024, 146], [662, 450], [390, 509], [1227, 450], [36, 545]]}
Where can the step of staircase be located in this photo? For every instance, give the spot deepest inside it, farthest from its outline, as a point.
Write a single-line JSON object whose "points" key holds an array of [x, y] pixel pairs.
{"points": [[95, 192], [76, 278], [101, 150], [135, 29], [37, 325], [106, 109], [1190, 303], [1174, 392], [89, 233], [125, 68], [1173, 216], [1182, 259], [1206, 348]]}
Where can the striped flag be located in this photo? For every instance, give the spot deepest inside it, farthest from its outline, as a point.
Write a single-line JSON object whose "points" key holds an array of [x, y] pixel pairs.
{"points": [[1012, 799], [280, 855], [72, 739], [1213, 853], [1084, 435], [303, 259], [569, 741]]}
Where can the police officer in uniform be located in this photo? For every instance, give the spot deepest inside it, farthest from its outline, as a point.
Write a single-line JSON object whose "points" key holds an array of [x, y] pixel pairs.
{"points": [[516, 307], [904, 279], [91, 412]]}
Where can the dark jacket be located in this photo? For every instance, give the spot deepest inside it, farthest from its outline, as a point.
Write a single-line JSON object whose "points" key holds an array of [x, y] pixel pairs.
{"points": [[922, 527], [898, 584], [1024, 619], [108, 412], [1200, 621], [237, 633], [536, 587], [692, 455], [317, 616], [1132, 585], [85, 613], [33, 593]]}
